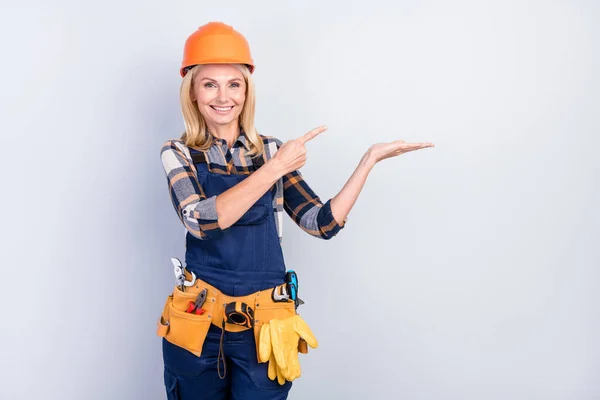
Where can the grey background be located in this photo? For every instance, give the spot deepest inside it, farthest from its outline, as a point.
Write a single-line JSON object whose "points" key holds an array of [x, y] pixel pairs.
{"points": [[467, 271]]}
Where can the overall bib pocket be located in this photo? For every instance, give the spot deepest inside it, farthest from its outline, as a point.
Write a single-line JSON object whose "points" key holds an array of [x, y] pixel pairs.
{"points": [[255, 215], [243, 243]]}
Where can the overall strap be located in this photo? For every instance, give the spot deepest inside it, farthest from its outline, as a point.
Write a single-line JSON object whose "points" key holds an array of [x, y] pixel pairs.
{"points": [[197, 156], [200, 157]]}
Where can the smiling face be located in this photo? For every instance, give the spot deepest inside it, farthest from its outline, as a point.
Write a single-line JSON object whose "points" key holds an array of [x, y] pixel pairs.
{"points": [[219, 90]]}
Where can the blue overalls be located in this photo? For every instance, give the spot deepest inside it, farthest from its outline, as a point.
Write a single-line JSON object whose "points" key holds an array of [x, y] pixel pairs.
{"points": [[240, 260]]}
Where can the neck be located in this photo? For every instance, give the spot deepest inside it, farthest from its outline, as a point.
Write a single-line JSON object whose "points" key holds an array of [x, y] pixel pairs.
{"points": [[229, 132]]}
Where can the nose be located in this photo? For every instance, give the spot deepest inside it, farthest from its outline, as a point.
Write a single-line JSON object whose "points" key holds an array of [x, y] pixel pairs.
{"points": [[222, 95]]}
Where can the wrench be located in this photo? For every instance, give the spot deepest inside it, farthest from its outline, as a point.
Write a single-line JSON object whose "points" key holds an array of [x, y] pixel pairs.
{"points": [[284, 296]]}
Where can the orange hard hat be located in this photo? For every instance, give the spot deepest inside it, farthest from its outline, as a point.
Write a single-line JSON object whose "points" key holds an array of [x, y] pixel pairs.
{"points": [[216, 43]]}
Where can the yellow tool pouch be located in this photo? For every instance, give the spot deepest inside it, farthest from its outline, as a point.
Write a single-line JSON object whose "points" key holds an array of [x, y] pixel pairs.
{"points": [[266, 309], [184, 329], [235, 314]]}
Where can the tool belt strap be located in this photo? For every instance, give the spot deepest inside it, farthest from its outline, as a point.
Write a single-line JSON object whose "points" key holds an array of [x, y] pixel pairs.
{"points": [[223, 302]]}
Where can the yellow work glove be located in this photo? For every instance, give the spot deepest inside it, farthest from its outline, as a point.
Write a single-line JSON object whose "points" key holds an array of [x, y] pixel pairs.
{"points": [[265, 354], [279, 341]]}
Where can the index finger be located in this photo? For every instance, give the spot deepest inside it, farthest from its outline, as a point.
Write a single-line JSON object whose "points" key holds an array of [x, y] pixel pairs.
{"points": [[312, 134]]}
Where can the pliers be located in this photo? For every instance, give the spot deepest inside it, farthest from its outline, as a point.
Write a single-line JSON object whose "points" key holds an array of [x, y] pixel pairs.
{"points": [[195, 307]]}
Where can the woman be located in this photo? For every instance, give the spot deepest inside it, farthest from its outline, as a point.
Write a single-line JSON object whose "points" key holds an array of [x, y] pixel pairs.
{"points": [[232, 329]]}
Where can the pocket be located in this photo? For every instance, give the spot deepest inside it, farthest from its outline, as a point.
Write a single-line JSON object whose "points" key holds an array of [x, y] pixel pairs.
{"points": [[181, 300], [185, 330], [268, 311], [265, 312], [162, 326], [257, 214], [242, 244], [260, 378], [171, 385]]}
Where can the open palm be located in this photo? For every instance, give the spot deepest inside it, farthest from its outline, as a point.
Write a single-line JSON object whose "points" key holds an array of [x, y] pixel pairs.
{"points": [[381, 151]]}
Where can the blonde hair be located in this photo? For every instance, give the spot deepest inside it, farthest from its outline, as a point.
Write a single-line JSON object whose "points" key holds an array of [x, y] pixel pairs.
{"points": [[196, 133]]}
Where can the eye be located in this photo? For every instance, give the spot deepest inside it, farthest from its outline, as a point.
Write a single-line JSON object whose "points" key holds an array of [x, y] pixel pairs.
{"points": [[235, 84], [209, 84]]}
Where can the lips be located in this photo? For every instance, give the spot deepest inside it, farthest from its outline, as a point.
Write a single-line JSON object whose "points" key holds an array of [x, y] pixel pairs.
{"points": [[222, 110]]}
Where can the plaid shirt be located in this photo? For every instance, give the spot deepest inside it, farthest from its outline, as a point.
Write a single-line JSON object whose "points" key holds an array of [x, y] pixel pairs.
{"points": [[199, 214]]}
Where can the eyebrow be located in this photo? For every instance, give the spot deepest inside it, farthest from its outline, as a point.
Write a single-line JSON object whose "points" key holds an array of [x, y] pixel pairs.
{"points": [[214, 80]]}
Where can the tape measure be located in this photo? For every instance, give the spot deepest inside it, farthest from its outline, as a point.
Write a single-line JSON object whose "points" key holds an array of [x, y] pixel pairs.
{"points": [[238, 313]]}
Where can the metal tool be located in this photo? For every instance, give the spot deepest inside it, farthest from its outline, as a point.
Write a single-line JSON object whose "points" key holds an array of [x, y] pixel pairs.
{"points": [[195, 307], [280, 297], [291, 280], [180, 275]]}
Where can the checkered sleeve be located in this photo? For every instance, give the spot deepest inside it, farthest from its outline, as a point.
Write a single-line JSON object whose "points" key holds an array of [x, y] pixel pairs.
{"points": [[197, 212], [306, 209]]}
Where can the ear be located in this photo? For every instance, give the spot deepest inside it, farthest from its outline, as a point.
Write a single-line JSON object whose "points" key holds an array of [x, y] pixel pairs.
{"points": [[192, 94]]}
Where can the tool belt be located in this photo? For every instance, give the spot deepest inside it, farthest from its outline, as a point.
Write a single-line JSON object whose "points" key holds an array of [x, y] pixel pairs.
{"points": [[188, 330]]}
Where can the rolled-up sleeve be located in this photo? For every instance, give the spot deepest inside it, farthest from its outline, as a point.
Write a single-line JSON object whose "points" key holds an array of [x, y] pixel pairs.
{"points": [[307, 210], [197, 212]]}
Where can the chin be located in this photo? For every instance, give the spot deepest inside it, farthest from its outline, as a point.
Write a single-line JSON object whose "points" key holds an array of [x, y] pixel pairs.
{"points": [[224, 121]]}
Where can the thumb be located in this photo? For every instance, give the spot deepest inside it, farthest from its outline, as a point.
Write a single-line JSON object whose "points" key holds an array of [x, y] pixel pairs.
{"points": [[305, 333]]}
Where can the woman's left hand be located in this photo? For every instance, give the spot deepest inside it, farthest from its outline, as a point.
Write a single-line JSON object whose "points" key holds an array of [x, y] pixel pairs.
{"points": [[381, 151], [342, 203]]}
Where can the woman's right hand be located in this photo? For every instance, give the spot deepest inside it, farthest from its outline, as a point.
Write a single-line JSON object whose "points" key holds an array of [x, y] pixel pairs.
{"points": [[292, 154]]}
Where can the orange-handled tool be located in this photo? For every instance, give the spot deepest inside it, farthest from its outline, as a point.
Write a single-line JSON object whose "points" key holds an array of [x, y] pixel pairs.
{"points": [[195, 307]]}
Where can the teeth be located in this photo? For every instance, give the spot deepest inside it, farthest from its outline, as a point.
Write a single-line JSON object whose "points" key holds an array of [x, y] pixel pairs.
{"points": [[222, 108]]}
